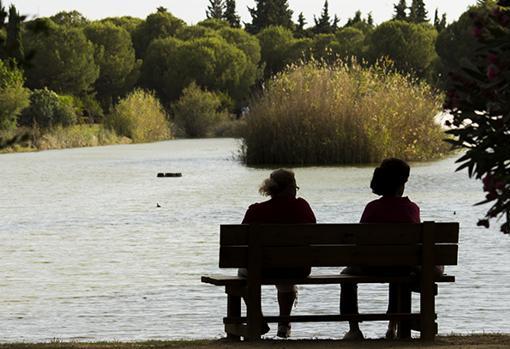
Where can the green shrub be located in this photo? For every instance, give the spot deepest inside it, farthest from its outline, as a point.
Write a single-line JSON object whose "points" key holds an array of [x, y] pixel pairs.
{"points": [[13, 96], [140, 117], [48, 109], [316, 114], [197, 112]]}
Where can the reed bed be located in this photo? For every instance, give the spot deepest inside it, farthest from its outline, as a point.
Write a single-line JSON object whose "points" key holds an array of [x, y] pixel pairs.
{"points": [[316, 113]]}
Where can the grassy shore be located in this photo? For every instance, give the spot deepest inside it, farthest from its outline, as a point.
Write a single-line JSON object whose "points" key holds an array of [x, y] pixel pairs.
{"points": [[75, 136], [485, 341]]}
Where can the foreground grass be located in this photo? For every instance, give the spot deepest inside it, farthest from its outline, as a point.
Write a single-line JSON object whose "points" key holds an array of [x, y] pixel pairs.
{"points": [[485, 341]]}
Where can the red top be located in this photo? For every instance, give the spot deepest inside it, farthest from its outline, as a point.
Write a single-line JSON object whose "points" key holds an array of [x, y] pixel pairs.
{"points": [[280, 210], [389, 209]]}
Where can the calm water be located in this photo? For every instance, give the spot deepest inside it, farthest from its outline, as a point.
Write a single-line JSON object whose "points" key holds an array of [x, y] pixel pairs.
{"points": [[86, 255]]}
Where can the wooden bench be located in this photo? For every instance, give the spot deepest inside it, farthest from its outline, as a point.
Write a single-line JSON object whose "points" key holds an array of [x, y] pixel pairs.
{"points": [[335, 245]]}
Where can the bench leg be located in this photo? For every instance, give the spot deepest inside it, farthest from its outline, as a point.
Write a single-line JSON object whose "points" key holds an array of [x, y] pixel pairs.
{"points": [[405, 306], [233, 310], [428, 316]]}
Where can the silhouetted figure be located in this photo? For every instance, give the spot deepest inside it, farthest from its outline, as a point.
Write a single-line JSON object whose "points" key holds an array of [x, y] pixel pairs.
{"points": [[388, 181], [282, 208]]}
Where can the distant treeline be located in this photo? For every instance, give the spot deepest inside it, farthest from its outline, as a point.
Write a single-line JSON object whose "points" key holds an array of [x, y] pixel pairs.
{"points": [[66, 69]]}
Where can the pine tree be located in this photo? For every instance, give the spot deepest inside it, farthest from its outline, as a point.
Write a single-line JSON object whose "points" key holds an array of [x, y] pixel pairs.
{"points": [[230, 14], [270, 12], [323, 25], [442, 22], [370, 19], [355, 19], [439, 23], [418, 12], [215, 9], [14, 45], [300, 28], [334, 26], [400, 11], [3, 15]]}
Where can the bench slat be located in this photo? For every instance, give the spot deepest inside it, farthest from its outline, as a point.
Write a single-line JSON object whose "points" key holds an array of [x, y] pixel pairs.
{"points": [[224, 280], [328, 318], [364, 234], [337, 255]]}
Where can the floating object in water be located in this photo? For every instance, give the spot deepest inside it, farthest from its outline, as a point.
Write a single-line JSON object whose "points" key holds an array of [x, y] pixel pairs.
{"points": [[170, 174], [157, 204]]}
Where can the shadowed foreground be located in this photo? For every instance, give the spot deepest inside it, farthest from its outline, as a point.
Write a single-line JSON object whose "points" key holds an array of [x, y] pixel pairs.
{"points": [[492, 341]]}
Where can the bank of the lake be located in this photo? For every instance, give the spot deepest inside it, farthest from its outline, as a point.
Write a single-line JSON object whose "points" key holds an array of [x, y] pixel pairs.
{"points": [[76, 136], [485, 341]]}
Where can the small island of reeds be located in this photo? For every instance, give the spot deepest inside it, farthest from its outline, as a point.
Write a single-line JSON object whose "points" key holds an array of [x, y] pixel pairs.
{"points": [[316, 114]]}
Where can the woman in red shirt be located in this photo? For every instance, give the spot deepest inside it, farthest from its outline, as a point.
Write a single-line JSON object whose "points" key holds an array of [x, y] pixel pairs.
{"points": [[282, 208], [388, 181]]}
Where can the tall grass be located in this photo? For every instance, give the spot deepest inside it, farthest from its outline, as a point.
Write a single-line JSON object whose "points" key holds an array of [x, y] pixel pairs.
{"points": [[141, 117], [77, 136], [334, 114]]}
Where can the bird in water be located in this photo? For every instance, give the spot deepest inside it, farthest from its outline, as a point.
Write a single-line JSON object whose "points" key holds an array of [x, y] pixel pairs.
{"points": [[158, 205]]}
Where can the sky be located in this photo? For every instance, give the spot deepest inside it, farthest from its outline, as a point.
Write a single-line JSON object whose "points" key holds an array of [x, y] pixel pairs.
{"points": [[193, 11]]}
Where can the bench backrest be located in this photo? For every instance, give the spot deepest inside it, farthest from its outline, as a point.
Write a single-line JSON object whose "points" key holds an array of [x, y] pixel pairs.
{"points": [[331, 245]]}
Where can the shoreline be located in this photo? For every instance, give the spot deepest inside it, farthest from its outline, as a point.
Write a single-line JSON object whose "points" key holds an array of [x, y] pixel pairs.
{"points": [[454, 341]]}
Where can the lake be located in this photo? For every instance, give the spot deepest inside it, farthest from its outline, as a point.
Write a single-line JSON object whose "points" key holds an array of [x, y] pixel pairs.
{"points": [[87, 255]]}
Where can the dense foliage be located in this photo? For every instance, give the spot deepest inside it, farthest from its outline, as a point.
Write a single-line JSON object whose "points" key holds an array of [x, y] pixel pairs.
{"points": [[197, 112], [479, 99], [13, 96], [316, 114], [140, 117], [48, 109]]}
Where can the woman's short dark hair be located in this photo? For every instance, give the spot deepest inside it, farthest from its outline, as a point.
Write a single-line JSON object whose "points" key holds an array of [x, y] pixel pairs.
{"points": [[389, 176]]}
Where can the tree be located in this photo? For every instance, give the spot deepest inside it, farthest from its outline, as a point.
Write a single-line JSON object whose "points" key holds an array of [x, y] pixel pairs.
{"points": [[323, 23], [197, 111], [354, 20], [115, 56], [161, 24], [48, 109], [14, 45], [243, 41], [127, 22], [141, 117], [270, 13], [400, 11], [13, 96], [215, 9], [478, 99], [71, 19], [439, 23], [230, 15], [350, 42], [275, 43], [171, 65], [300, 28], [365, 25], [456, 42], [418, 12], [410, 46], [63, 61]]}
